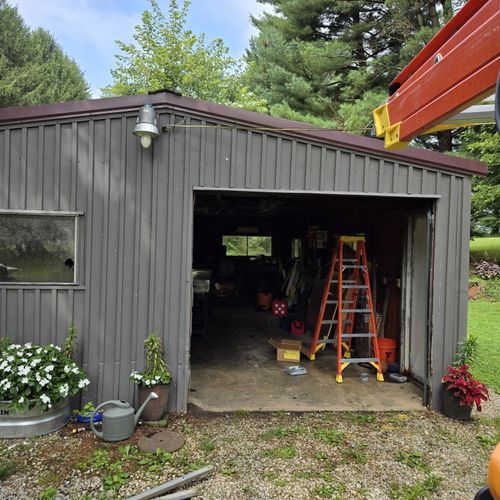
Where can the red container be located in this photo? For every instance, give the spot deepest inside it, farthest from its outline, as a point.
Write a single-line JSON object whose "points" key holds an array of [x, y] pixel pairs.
{"points": [[387, 349], [298, 327], [280, 308], [264, 300]]}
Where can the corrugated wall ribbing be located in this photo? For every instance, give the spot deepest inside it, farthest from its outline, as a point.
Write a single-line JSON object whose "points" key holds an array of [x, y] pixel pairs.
{"points": [[135, 232]]}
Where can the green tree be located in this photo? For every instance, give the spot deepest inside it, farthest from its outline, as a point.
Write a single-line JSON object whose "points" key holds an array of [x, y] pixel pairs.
{"points": [[167, 55], [33, 67], [333, 59], [483, 143]]}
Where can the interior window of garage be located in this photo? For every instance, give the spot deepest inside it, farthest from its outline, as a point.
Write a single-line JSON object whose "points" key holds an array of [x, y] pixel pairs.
{"points": [[37, 248], [242, 246]]}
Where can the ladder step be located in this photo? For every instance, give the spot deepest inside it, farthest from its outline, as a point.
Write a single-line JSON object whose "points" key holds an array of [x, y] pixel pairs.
{"points": [[354, 286], [327, 341], [357, 335], [343, 281], [336, 302], [353, 267], [356, 310], [359, 360], [349, 260], [334, 321]]}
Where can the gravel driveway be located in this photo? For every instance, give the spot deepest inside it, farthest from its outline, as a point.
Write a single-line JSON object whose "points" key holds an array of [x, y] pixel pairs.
{"points": [[408, 455]]}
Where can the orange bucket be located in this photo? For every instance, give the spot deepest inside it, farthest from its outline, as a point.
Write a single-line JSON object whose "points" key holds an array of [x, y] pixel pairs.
{"points": [[387, 349], [264, 300]]}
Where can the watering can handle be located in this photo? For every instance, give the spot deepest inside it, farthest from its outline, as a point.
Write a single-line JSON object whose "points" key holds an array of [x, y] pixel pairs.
{"points": [[121, 404]]}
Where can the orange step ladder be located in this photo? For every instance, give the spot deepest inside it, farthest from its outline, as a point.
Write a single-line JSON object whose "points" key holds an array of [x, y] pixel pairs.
{"points": [[344, 298]]}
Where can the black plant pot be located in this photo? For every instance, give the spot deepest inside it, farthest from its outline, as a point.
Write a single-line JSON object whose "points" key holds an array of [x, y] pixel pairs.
{"points": [[452, 409]]}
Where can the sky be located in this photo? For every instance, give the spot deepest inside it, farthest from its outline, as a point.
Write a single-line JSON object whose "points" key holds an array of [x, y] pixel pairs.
{"points": [[87, 29]]}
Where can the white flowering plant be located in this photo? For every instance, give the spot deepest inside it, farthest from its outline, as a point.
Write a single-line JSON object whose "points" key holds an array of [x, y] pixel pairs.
{"points": [[155, 371], [41, 374]]}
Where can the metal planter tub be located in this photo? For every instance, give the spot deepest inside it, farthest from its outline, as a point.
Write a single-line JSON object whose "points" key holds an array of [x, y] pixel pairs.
{"points": [[33, 421]]}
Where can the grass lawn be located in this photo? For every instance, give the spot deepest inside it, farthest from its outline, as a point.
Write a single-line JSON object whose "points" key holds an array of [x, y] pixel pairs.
{"points": [[484, 323], [485, 249]]}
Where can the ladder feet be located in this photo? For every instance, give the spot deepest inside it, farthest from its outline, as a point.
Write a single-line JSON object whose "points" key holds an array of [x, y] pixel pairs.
{"points": [[380, 377], [338, 379]]}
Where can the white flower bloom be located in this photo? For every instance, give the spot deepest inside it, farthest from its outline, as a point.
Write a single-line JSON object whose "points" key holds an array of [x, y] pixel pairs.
{"points": [[7, 369], [39, 350], [36, 361], [21, 400], [48, 376], [83, 383], [67, 369], [43, 382], [7, 385], [10, 359], [45, 399], [75, 370], [3, 364], [28, 344], [19, 353], [38, 377], [64, 389], [49, 368], [23, 370], [24, 360], [25, 380], [58, 348]]}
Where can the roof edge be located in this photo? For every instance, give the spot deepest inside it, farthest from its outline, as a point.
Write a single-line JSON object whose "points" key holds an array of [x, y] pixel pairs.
{"points": [[89, 107]]}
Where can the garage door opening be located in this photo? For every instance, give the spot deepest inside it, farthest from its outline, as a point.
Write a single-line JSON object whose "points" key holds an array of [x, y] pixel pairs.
{"points": [[250, 249]]}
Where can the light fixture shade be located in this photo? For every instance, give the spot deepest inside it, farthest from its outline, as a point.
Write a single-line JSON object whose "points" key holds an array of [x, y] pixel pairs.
{"points": [[146, 122]]}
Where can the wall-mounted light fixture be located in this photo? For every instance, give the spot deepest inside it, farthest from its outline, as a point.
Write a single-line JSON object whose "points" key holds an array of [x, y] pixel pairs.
{"points": [[145, 127]]}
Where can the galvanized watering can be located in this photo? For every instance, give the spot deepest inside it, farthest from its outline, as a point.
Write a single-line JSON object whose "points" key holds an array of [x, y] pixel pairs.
{"points": [[119, 421]]}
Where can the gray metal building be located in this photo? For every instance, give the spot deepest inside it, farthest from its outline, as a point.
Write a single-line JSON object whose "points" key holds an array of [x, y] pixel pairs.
{"points": [[132, 212]]}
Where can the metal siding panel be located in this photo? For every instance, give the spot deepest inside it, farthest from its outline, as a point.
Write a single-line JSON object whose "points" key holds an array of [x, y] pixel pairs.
{"points": [[356, 173], [415, 181], [342, 167], [224, 157], [371, 175], [49, 196], [429, 182], [316, 168], [4, 174], [210, 156], [253, 174], [240, 160], [11, 318], [32, 182], [14, 168], [263, 158], [195, 133], [386, 170], [270, 169], [66, 169], [299, 181], [285, 165], [28, 314], [403, 174], [329, 176]]}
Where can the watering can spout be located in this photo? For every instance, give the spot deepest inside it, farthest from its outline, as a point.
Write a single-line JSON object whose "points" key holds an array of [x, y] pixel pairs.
{"points": [[153, 395]]}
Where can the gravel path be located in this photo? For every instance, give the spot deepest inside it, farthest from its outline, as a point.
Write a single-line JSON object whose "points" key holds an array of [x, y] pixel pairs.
{"points": [[274, 456]]}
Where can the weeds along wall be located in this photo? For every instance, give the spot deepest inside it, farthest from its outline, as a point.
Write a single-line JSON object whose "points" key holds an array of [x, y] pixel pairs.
{"points": [[135, 211]]}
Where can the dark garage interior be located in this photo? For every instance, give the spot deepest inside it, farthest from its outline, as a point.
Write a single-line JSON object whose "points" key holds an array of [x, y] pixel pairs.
{"points": [[251, 249]]}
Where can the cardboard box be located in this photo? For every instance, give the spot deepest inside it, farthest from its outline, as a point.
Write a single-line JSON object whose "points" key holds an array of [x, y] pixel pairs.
{"points": [[287, 350]]}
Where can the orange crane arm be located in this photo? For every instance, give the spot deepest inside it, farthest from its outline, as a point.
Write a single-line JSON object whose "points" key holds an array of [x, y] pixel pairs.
{"points": [[456, 69]]}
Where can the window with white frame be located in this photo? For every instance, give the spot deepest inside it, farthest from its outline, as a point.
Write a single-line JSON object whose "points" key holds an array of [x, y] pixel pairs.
{"points": [[38, 247]]}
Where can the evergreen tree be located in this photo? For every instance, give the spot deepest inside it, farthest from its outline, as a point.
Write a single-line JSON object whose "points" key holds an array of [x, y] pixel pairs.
{"points": [[33, 67], [333, 59]]}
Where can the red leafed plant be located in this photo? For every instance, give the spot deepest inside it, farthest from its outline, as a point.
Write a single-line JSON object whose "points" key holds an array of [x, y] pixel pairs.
{"points": [[464, 387]]}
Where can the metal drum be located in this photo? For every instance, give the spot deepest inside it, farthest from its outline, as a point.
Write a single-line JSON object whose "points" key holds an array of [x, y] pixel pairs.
{"points": [[33, 421]]}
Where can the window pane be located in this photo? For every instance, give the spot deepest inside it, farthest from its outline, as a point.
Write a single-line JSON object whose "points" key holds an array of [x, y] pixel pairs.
{"points": [[37, 248], [259, 245], [235, 245]]}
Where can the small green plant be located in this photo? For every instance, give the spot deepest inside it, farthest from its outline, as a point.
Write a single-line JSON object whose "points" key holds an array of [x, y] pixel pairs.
{"points": [[48, 493], [4, 343], [356, 454], [86, 411], [466, 352], [285, 452], [488, 442], [330, 490], [419, 490], [155, 369], [207, 445], [70, 345], [116, 478], [6, 470], [321, 455], [99, 459], [330, 436], [412, 459], [242, 413]]}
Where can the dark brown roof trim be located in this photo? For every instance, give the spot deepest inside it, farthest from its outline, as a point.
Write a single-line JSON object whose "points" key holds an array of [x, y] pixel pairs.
{"points": [[22, 114]]}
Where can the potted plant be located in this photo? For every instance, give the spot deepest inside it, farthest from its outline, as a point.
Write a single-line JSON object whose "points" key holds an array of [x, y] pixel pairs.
{"points": [[36, 382], [154, 378], [83, 415], [462, 392]]}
